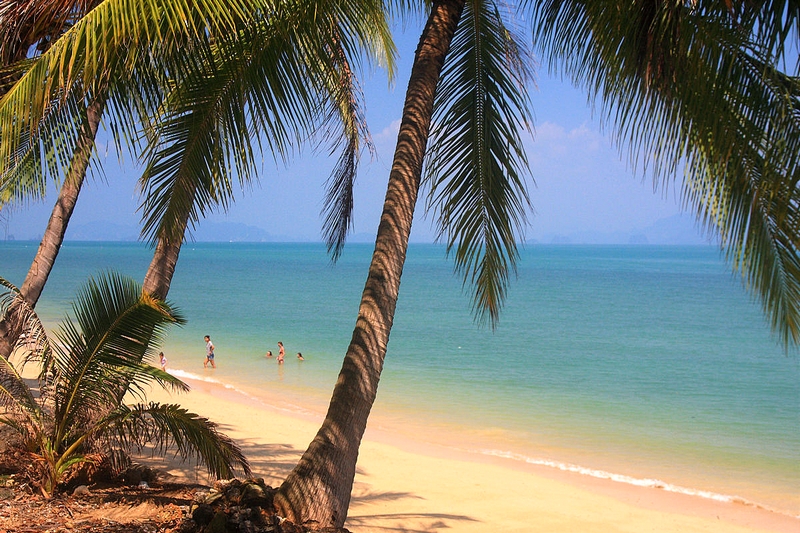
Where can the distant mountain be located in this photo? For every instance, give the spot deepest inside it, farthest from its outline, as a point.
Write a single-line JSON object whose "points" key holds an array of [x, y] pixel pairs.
{"points": [[677, 229], [233, 232], [101, 230]]}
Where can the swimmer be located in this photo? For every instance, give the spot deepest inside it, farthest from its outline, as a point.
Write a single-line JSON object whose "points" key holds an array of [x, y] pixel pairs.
{"points": [[300, 356], [281, 352], [209, 353]]}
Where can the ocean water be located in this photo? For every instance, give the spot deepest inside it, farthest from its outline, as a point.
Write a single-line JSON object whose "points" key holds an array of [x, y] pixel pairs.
{"points": [[647, 365]]}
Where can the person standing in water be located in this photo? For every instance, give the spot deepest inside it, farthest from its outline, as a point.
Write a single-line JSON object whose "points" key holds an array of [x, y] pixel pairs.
{"points": [[163, 361], [281, 352], [209, 353]]}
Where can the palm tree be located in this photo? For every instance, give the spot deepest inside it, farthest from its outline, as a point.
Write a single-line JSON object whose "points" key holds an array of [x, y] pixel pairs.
{"points": [[689, 83], [655, 65], [271, 81], [115, 328], [26, 25], [699, 88], [193, 145]]}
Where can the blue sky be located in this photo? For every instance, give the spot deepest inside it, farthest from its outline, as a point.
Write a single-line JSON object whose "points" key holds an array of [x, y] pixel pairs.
{"points": [[581, 182]]}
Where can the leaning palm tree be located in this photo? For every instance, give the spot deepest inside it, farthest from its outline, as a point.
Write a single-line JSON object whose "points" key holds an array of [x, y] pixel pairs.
{"points": [[25, 26], [694, 84], [277, 81], [259, 71], [78, 415]]}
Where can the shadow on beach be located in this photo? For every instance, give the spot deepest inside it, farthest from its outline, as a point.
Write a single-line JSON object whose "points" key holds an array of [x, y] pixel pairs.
{"points": [[274, 461]]}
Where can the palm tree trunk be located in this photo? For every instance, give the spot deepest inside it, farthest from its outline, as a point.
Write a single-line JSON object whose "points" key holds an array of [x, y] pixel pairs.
{"points": [[159, 274], [56, 227], [162, 267], [318, 489]]}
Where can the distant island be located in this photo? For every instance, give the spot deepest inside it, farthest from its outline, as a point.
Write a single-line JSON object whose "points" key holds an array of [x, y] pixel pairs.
{"points": [[679, 229]]}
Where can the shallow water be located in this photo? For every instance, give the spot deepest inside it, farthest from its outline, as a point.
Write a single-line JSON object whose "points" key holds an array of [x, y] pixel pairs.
{"points": [[649, 365]]}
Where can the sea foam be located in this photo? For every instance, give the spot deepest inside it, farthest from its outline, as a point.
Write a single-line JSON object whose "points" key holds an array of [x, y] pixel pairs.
{"points": [[622, 478], [289, 408]]}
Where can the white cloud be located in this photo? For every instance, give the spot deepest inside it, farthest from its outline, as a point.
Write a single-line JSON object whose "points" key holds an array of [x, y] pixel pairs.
{"points": [[549, 132], [389, 133]]}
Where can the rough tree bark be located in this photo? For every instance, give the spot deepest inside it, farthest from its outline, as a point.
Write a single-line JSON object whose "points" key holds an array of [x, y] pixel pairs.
{"points": [[317, 491], [43, 261], [162, 267]]}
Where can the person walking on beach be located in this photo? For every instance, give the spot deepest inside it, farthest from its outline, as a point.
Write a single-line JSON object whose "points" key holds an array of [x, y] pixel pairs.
{"points": [[209, 353], [163, 360], [281, 352]]}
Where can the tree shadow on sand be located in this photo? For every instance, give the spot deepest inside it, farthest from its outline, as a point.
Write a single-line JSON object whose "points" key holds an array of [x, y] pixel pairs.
{"points": [[406, 522], [274, 461]]}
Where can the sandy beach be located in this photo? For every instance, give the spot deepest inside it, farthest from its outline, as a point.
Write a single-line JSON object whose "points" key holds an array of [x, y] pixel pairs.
{"points": [[402, 485]]}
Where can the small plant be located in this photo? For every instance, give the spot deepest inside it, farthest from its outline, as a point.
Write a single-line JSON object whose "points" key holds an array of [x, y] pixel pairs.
{"points": [[92, 362]]}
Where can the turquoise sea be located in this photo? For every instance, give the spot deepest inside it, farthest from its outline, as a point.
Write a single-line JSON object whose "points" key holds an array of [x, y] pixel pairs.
{"points": [[647, 365]]}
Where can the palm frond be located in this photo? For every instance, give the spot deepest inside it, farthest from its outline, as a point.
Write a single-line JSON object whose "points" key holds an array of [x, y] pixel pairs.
{"points": [[44, 155], [204, 134], [476, 165], [110, 51], [337, 211], [100, 352], [696, 88], [22, 410], [27, 24], [95, 53], [17, 399], [172, 428], [774, 25], [270, 81], [32, 338]]}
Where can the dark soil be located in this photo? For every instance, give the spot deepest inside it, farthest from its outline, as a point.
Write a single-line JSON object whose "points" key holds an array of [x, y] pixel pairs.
{"points": [[135, 503]]}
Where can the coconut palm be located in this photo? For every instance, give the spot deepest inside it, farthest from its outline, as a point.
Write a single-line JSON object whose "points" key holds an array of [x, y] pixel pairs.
{"points": [[687, 83], [256, 76], [115, 328], [700, 88], [27, 25], [270, 83]]}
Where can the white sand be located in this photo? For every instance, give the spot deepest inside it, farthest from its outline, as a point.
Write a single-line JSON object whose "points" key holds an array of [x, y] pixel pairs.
{"points": [[406, 486]]}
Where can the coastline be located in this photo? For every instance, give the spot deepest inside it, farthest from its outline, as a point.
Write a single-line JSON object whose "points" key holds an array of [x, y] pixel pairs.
{"points": [[636, 363], [407, 483]]}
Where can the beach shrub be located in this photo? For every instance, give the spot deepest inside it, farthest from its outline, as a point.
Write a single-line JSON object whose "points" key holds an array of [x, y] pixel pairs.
{"points": [[75, 413]]}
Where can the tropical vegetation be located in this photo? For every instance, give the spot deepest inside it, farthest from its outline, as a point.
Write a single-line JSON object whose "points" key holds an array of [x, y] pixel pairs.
{"points": [[220, 82], [76, 414], [692, 87], [703, 93]]}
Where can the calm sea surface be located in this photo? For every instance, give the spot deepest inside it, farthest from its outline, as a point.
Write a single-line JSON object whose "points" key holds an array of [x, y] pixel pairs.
{"points": [[649, 365]]}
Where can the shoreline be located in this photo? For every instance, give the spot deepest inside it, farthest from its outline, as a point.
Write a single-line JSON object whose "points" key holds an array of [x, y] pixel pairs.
{"points": [[408, 482]]}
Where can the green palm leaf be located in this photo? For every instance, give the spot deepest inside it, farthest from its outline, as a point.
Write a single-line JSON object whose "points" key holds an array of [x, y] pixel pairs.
{"points": [[476, 164], [173, 428], [22, 412], [116, 50], [695, 88], [97, 355], [97, 50], [276, 81], [204, 133], [100, 353]]}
